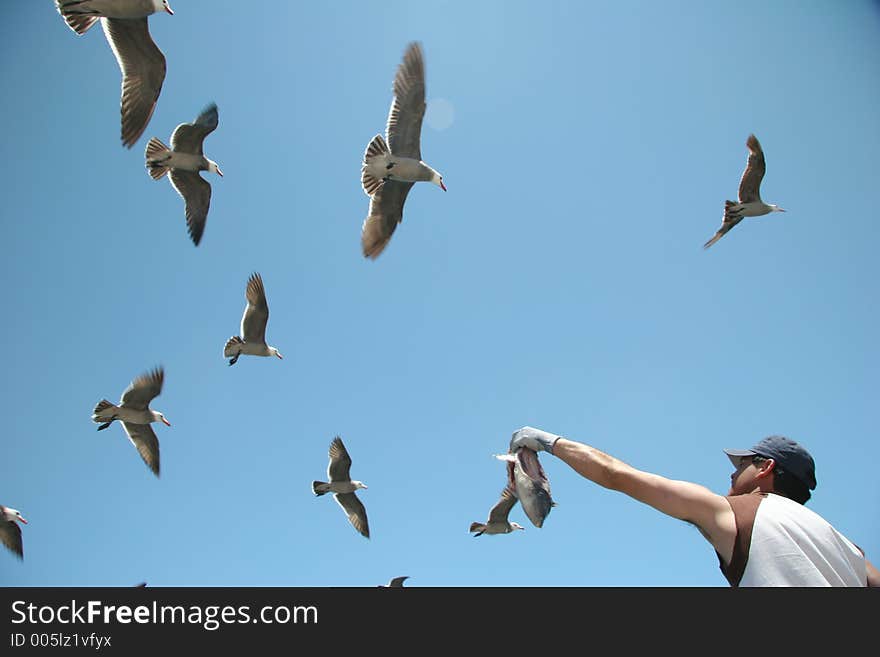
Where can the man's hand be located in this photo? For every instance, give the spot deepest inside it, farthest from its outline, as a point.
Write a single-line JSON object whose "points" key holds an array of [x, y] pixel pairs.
{"points": [[534, 439]]}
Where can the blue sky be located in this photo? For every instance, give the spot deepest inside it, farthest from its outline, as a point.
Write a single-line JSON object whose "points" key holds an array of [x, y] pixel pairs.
{"points": [[560, 283]]}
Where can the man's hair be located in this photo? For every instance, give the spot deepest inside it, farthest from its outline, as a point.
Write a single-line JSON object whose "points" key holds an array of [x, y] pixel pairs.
{"points": [[786, 484]]}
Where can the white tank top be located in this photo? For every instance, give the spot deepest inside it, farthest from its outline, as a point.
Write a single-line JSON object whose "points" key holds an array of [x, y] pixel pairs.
{"points": [[793, 546]]}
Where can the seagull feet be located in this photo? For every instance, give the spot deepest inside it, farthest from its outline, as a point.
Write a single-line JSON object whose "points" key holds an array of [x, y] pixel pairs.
{"points": [[105, 425], [233, 360]]}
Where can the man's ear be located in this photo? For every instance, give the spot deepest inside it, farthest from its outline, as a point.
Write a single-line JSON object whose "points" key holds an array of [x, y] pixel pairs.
{"points": [[765, 468]]}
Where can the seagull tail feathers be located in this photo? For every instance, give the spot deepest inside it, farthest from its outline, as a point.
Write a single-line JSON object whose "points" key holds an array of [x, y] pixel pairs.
{"points": [[232, 346], [376, 148], [732, 213], [477, 527], [320, 487], [100, 413], [76, 19], [731, 218], [157, 155]]}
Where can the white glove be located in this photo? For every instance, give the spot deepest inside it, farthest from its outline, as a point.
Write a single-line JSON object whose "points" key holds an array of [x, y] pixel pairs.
{"points": [[534, 439]]}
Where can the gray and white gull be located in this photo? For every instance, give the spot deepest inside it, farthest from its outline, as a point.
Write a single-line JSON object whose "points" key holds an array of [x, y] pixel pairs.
{"points": [[343, 487], [394, 582], [498, 522], [750, 203], [528, 481], [252, 341], [10, 532], [392, 165], [182, 162], [141, 62], [136, 415]]}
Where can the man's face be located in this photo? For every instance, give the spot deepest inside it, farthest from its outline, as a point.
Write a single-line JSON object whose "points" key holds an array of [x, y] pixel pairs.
{"points": [[743, 479]]}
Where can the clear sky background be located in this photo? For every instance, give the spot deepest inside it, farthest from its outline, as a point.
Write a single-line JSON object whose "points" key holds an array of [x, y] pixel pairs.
{"points": [[588, 148]]}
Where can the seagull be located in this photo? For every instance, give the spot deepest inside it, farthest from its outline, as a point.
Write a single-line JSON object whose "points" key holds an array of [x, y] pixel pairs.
{"points": [[527, 479], [135, 414], [141, 62], [253, 325], [10, 532], [750, 203], [390, 168], [394, 583], [343, 487], [182, 162], [497, 522]]}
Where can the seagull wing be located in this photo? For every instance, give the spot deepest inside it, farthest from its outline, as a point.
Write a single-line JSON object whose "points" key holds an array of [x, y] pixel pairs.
{"points": [[386, 211], [144, 439], [143, 389], [188, 137], [750, 183], [726, 225], [404, 127], [196, 193], [10, 536], [256, 312], [143, 72], [354, 509], [499, 512], [397, 581], [340, 461]]}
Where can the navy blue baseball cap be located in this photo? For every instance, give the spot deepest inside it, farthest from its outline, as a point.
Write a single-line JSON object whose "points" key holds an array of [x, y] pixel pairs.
{"points": [[788, 455]]}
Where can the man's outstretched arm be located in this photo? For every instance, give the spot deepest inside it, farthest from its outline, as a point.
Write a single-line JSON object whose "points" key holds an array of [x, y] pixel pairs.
{"points": [[684, 500]]}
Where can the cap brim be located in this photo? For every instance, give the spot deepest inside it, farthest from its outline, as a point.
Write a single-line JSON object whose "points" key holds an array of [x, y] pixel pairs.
{"points": [[734, 454]]}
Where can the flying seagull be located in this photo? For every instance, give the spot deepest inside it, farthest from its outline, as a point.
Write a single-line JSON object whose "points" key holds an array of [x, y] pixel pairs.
{"points": [[498, 522], [394, 582], [182, 162], [750, 203], [253, 325], [141, 62], [10, 532], [135, 414], [392, 165], [343, 487]]}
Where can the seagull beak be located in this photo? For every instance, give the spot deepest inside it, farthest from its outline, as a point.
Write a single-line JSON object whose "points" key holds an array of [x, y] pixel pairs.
{"points": [[167, 423], [22, 519], [279, 355], [168, 9], [219, 173], [442, 186]]}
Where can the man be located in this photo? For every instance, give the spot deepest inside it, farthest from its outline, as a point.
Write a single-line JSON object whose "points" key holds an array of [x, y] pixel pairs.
{"points": [[761, 530]]}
